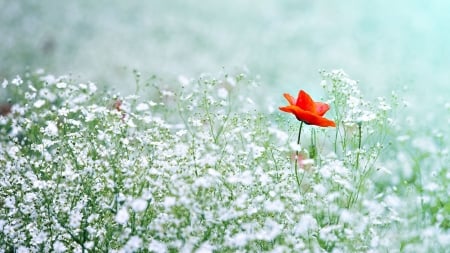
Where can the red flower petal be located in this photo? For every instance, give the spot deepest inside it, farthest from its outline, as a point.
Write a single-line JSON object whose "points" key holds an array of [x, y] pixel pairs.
{"points": [[305, 102], [321, 108], [308, 117], [289, 98], [306, 110]]}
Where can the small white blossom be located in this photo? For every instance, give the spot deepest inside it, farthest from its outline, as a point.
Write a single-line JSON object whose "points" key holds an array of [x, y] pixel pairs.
{"points": [[167, 93], [22, 249], [183, 80], [39, 103], [59, 247], [139, 205], [274, 206], [133, 244], [92, 88], [61, 85], [51, 129], [142, 107], [12, 151], [4, 83], [157, 246], [307, 222], [17, 81], [169, 201], [131, 124], [122, 216], [75, 219], [222, 93]]}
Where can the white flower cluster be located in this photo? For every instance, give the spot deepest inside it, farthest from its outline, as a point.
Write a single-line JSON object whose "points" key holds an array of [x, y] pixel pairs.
{"points": [[193, 169]]}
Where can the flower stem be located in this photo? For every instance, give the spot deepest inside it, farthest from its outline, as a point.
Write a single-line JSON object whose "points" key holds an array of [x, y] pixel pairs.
{"points": [[359, 145], [299, 182]]}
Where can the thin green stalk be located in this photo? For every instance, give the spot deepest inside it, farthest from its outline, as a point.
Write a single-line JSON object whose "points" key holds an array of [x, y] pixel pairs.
{"points": [[299, 182], [359, 144], [353, 198]]}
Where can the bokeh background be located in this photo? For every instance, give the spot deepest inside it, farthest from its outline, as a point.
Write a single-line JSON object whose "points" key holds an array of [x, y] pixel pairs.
{"points": [[386, 45]]}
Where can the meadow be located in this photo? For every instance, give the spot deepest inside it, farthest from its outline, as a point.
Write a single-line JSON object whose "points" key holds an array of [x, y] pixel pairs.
{"points": [[211, 164]]}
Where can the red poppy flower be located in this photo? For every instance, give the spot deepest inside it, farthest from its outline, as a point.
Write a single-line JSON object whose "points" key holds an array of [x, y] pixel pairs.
{"points": [[308, 111]]}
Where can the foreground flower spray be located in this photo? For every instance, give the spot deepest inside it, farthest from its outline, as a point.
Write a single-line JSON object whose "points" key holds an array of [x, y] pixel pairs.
{"points": [[309, 112]]}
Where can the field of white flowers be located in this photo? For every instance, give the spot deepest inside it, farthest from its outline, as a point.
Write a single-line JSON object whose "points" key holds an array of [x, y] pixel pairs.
{"points": [[209, 164]]}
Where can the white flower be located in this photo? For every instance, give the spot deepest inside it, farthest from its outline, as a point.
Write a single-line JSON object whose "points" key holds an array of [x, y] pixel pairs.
{"points": [[274, 206], [307, 222], [12, 151], [39, 103], [122, 216], [181, 132], [181, 149], [75, 219], [40, 237], [61, 85], [167, 93], [256, 150], [280, 135], [183, 80], [133, 244], [17, 81], [51, 129], [169, 201], [366, 116], [157, 246], [205, 248], [142, 107], [295, 147], [222, 93], [59, 247], [139, 205], [63, 112], [22, 249], [4, 83], [92, 88], [29, 197], [45, 93], [130, 123]]}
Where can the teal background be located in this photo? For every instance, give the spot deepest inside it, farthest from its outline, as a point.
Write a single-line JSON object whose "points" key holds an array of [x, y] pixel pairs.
{"points": [[386, 45]]}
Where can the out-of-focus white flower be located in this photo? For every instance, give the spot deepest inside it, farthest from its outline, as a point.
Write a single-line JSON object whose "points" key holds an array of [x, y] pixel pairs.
{"points": [[142, 107], [75, 219], [307, 222], [139, 205], [157, 246], [133, 244], [17, 81], [222, 93], [22, 249], [122, 216], [12, 151], [295, 147], [39, 103], [169, 201], [4, 83], [51, 129], [59, 247], [183, 80], [92, 87], [61, 85]]}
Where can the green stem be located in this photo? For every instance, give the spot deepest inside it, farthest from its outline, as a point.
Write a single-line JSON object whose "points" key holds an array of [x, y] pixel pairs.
{"points": [[353, 198], [296, 156], [359, 145]]}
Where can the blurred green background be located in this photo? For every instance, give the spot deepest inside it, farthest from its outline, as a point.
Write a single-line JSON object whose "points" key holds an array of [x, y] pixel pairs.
{"points": [[384, 44]]}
